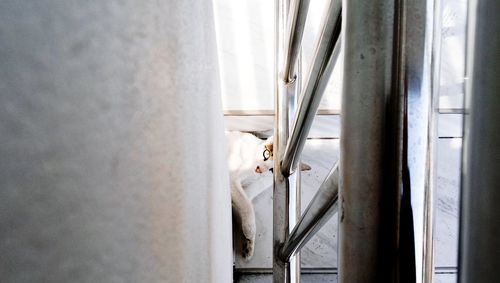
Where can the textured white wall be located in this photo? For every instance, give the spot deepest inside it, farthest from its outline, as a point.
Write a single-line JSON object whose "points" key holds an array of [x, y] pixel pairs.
{"points": [[112, 164]]}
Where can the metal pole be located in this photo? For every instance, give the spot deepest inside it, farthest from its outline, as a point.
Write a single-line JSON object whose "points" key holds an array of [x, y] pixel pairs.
{"points": [[480, 214], [284, 187], [281, 272], [319, 210], [327, 50], [370, 144], [416, 212], [294, 209]]}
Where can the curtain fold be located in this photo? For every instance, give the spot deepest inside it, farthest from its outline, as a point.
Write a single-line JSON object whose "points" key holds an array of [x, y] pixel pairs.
{"points": [[112, 152]]}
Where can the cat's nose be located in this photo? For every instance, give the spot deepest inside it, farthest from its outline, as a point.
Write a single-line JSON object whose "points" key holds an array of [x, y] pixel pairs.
{"points": [[258, 170]]}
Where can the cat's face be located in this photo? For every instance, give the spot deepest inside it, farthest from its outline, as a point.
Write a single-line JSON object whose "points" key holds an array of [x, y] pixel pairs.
{"points": [[265, 157]]}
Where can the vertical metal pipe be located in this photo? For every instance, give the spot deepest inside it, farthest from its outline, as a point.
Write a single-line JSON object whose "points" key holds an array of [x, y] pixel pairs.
{"points": [[281, 271], [292, 89], [370, 145], [428, 92], [417, 200], [296, 189], [284, 188], [480, 215], [293, 216]]}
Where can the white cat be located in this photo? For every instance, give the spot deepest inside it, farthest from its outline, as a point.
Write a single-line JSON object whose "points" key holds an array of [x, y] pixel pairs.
{"points": [[250, 169], [250, 162]]}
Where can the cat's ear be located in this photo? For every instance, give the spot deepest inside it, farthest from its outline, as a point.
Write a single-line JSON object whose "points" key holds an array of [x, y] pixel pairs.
{"points": [[304, 167], [263, 134]]}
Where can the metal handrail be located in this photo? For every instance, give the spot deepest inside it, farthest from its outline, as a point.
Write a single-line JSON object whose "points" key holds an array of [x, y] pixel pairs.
{"points": [[325, 57], [297, 15]]}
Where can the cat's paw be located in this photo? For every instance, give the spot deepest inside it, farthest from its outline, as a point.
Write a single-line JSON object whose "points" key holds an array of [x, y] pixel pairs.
{"points": [[304, 167], [247, 250]]}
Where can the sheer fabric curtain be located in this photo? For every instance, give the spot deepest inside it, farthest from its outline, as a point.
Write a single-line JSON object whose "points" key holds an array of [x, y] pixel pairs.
{"points": [[111, 143]]}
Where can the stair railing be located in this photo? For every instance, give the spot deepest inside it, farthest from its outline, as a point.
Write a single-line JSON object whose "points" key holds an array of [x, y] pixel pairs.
{"points": [[290, 141], [385, 93]]}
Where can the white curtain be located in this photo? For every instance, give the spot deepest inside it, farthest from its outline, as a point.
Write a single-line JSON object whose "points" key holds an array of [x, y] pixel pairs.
{"points": [[112, 160]]}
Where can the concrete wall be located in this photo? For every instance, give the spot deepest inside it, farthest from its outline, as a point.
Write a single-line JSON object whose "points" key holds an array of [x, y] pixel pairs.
{"points": [[112, 166]]}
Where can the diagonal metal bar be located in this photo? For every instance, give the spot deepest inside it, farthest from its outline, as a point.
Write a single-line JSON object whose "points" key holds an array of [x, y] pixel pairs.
{"points": [[297, 15], [320, 209]]}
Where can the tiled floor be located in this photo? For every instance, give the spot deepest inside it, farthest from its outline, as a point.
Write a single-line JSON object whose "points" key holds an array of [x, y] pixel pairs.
{"points": [[326, 278]]}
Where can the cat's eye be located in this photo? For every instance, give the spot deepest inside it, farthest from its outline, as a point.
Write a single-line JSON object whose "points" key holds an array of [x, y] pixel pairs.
{"points": [[266, 154]]}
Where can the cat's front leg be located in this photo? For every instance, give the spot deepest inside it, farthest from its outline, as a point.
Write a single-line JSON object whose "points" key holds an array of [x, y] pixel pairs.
{"points": [[244, 213]]}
